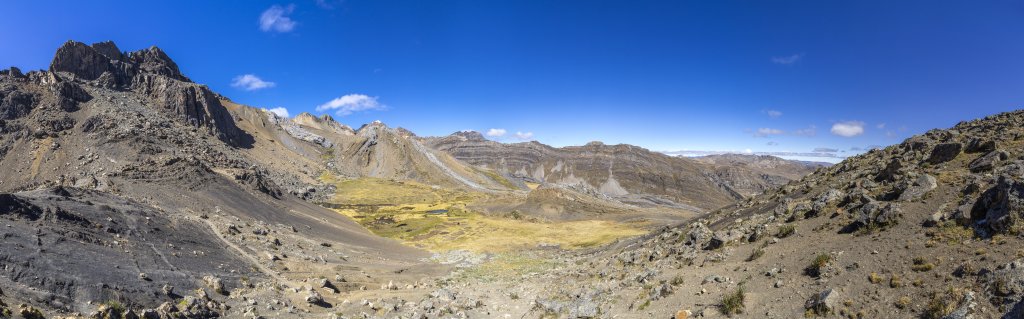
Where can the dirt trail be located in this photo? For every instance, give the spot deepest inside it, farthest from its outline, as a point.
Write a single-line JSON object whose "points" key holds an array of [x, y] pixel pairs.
{"points": [[255, 261]]}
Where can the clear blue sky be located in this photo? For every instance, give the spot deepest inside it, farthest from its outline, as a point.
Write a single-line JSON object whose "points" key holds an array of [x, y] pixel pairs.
{"points": [[768, 76]]}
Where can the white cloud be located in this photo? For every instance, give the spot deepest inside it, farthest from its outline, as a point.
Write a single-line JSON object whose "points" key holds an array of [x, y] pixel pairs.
{"points": [[276, 19], [765, 132], [880, 126], [280, 111], [787, 60], [251, 82], [524, 136], [496, 132], [809, 131], [772, 143], [773, 113], [351, 103], [848, 128]]}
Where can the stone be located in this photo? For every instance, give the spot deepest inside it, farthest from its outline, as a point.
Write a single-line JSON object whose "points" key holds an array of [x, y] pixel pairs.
{"points": [[1001, 207], [823, 303], [988, 161], [921, 186], [215, 284], [699, 236], [976, 145], [314, 298], [944, 152]]}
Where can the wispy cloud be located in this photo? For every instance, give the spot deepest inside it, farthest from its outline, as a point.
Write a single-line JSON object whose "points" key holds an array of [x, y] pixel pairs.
{"points": [[772, 143], [789, 59], [814, 156], [276, 19], [280, 111], [328, 4], [351, 103], [848, 128], [766, 132], [825, 150], [809, 131], [524, 136], [251, 82], [496, 132], [773, 113]]}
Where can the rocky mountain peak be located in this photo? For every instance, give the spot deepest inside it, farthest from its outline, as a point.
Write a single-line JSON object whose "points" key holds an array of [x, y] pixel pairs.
{"points": [[81, 60], [469, 135], [90, 62], [153, 60]]}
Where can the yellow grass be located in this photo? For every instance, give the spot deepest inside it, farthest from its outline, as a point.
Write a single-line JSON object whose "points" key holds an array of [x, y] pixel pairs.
{"points": [[406, 215]]}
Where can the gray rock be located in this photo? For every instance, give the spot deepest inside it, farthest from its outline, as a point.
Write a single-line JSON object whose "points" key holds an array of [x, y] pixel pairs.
{"points": [[988, 162], [824, 302], [1000, 208], [944, 152], [921, 186]]}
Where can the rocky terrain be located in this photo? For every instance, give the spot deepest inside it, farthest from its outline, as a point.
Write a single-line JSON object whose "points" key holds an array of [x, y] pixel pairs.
{"points": [[132, 191], [629, 173]]}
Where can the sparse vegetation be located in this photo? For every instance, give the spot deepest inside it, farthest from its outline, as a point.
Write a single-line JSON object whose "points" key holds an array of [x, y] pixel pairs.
{"points": [[921, 264], [758, 252], [677, 280], [785, 231], [903, 302], [943, 303], [733, 303], [874, 278], [895, 281], [818, 264]]}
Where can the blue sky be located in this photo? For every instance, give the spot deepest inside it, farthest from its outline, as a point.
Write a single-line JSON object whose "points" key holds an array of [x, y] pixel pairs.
{"points": [[764, 76]]}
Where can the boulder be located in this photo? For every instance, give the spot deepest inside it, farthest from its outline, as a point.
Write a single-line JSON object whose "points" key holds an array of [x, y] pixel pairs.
{"points": [[1001, 207], [944, 152], [921, 186], [699, 236], [977, 145], [988, 161]]}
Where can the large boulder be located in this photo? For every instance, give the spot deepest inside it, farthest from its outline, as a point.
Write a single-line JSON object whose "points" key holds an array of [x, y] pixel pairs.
{"points": [[917, 189], [988, 162], [1001, 208], [944, 152]]}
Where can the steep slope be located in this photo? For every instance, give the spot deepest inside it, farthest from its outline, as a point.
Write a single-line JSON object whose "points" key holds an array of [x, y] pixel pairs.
{"points": [[119, 158], [629, 173]]}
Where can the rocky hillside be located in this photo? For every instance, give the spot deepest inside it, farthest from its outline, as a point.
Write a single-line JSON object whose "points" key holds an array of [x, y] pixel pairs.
{"points": [[131, 186], [630, 173], [754, 174], [928, 228]]}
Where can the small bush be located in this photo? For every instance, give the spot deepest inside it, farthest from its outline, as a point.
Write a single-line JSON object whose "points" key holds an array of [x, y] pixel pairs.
{"points": [[818, 264], [942, 304], [677, 280], [874, 278], [903, 302], [895, 281], [786, 231], [921, 264], [733, 303], [757, 253]]}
